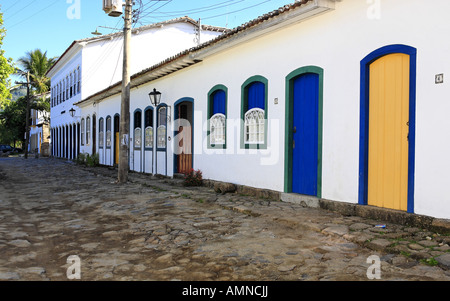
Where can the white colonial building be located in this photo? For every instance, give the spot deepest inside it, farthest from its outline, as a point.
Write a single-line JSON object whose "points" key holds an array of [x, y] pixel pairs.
{"points": [[92, 64], [340, 100]]}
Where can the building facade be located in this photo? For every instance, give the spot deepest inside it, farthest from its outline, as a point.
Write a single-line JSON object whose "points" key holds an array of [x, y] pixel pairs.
{"points": [[340, 100], [91, 65]]}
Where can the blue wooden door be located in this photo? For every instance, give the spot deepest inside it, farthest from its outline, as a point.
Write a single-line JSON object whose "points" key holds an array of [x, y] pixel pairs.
{"points": [[305, 134]]}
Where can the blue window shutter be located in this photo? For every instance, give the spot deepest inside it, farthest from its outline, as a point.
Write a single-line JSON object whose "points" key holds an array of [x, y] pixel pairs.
{"points": [[219, 102], [256, 96]]}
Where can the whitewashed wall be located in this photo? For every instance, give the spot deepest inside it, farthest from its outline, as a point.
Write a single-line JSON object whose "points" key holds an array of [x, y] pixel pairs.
{"points": [[336, 41], [57, 117], [103, 60]]}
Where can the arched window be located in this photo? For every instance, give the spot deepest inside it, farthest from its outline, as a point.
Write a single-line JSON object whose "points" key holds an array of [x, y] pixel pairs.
{"points": [[137, 129], [108, 132], [254, 126], [217, 106], [67, 87], [71, 84], [254, 112], [161, 130], [79, 80], [88, 130], [74, 86], [148, 123], [63, 90], [101, 133], [82, 131], [217, 129]]}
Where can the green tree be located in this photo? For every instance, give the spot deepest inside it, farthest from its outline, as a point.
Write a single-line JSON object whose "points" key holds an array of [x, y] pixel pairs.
{"points": [[37, 63], [6, 69], [12, 122]]}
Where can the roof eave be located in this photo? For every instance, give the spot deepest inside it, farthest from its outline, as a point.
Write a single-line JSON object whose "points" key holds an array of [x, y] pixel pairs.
{"points": [[289, 14]]}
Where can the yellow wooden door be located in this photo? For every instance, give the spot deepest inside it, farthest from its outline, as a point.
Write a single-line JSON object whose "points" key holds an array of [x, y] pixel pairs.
{"points": [[116, 145], [388, 132]]}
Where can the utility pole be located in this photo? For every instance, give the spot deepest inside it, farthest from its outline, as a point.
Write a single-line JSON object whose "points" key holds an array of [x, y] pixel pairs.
{"points": [[114, 9], [124, 129]]}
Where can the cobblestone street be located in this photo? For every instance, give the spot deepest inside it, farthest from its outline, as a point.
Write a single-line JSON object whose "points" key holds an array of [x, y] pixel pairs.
{"points": [[157, 229]]}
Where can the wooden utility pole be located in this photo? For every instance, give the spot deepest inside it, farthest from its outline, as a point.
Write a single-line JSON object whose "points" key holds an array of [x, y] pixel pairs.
{"points": [[124, 130]]}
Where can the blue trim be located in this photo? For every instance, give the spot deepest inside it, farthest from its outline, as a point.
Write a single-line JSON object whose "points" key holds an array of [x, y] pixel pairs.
{"points": [[364, 119], [175, 114], [210, 113], [245, 107]]}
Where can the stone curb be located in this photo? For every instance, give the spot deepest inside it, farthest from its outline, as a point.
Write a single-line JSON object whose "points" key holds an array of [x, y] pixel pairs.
{"points": [[348, 209]]}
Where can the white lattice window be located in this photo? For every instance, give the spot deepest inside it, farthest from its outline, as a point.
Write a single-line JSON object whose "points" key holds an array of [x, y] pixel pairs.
{"points": [[82, 131], [217, 129], [101, 134], [149, 137], [108, 132], [161, 133], [88, 130], [100, 139], [254, 126], [137, 137], [108, 138]]}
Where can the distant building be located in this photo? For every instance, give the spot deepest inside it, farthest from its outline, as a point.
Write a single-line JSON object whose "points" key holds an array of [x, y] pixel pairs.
{"points": [[93, 64], [40, 131]]}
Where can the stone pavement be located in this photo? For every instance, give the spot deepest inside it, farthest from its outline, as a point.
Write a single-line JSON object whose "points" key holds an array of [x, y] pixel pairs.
{"points": [[157, 229]]}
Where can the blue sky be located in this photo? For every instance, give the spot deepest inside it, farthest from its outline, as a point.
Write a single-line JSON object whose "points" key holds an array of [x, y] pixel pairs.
{"points": [[52, 25]]}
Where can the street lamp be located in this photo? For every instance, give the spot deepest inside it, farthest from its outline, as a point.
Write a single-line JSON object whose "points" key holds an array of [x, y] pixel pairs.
{"points": [[155, 97], [72, 112]]}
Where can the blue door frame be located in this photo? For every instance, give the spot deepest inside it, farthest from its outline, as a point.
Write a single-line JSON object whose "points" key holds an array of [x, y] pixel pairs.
{"points": [[364, 119]]}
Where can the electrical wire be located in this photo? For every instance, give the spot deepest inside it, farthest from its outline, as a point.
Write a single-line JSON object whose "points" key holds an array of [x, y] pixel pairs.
{"points": [[202, 9], [36, 13], [236, 11], [9, 7], [170, 14]]}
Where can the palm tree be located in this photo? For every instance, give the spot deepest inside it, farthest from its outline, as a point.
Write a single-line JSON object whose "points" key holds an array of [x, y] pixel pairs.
{"points": [[37, 63]]}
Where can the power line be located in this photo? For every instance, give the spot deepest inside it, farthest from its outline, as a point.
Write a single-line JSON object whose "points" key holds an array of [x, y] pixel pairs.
{"points": [[169, 1], [205, 8], [9, 7], [220, 5], [36, 13], [236, 11], [21, 9]]}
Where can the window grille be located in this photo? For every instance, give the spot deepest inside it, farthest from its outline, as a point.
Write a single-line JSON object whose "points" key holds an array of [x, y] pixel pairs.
{"points": [[217, 129], [254, 126]]}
